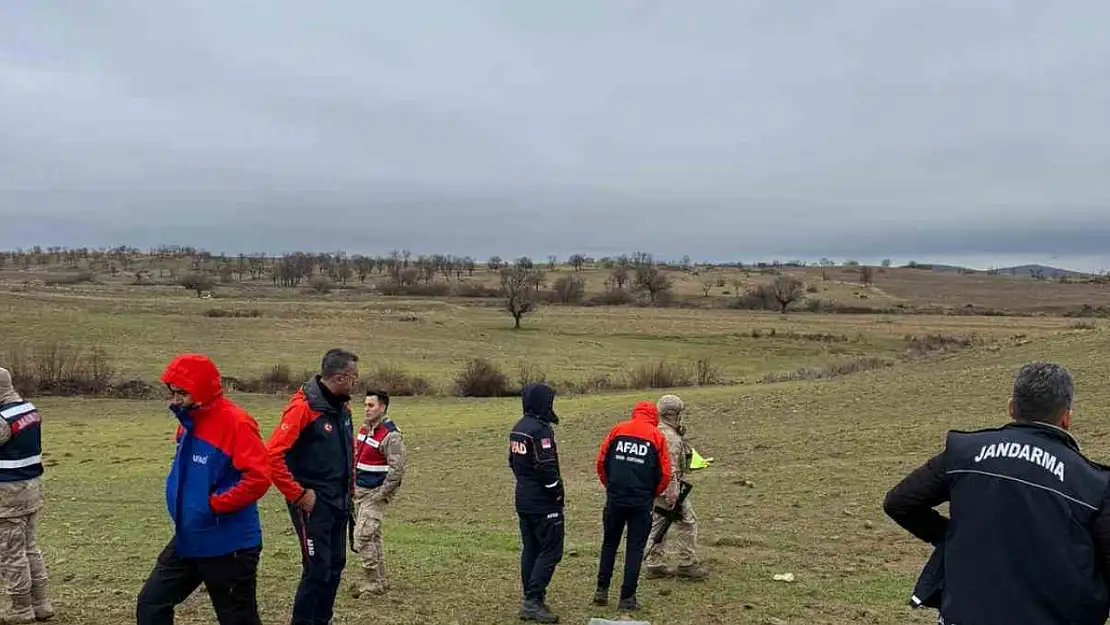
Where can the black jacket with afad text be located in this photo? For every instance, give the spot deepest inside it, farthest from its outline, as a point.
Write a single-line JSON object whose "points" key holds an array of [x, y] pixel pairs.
{"points": [[1029, 536], [534, 455]]}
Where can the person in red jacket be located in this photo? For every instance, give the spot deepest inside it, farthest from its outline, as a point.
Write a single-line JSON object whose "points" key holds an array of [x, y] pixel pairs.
{"points": [[220, 470], [635, 468]]}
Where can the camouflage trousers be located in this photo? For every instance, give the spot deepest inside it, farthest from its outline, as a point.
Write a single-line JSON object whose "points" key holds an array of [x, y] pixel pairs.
{"points": [[368, 532], [21, 563], [680, 540]]}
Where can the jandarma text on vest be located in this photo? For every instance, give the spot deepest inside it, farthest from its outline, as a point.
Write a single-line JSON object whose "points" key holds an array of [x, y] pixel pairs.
{"points": [[1029, 453]]}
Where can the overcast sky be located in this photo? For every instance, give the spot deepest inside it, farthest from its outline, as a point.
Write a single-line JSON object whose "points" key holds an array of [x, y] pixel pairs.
{"points": [[723, 129]]}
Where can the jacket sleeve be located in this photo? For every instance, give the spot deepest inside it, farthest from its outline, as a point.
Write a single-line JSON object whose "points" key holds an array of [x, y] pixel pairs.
{"points": [[666, 475], [602, 454], [393, 448], [1102, 534], [910, 503], [248, 455], [547, 464], [293, 421]]}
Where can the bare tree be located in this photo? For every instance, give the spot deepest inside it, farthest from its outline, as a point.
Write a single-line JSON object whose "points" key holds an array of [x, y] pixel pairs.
{"points": [[787, 290], [706, 286], [552, 262], [622, 270], [199, 282], [867, 275], [520, 287], [494, 263], [577, 261], [649, 277], [569, 289]]}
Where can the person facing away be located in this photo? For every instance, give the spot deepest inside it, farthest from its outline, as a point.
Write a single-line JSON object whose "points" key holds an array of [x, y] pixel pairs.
{"points": [[311, 457], [682, 536], [634, 467], [1028, 540], [21, 501], [539, 499], [218, 473], [379, 470]]}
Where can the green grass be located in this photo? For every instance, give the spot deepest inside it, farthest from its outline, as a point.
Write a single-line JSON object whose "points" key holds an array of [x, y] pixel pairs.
{"points": [[820, 455]]}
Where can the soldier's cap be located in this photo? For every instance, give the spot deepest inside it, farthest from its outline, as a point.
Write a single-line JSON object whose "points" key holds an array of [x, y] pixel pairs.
{"points": [[670, 404]]}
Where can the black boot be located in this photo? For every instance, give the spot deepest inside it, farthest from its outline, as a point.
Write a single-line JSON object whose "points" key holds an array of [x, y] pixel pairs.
{"points": [[629, 603], [533, 610], [601, 596]]}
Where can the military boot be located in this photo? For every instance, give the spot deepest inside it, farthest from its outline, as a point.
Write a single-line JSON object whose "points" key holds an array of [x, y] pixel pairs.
{"points": [[21, 611], [533, 610], [656, 572], [692, 571], [40, 603], [370, 584]]}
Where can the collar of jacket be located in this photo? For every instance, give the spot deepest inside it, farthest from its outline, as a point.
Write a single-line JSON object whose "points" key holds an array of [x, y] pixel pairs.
{"points": [[1047, 429], [321, 399]]}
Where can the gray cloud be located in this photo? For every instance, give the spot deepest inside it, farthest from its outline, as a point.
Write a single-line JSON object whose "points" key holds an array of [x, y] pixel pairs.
{"points": [[721, 129]]}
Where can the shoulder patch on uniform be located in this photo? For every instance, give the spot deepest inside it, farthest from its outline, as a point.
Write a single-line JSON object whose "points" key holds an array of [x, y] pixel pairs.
{"points": [[545, 443]]}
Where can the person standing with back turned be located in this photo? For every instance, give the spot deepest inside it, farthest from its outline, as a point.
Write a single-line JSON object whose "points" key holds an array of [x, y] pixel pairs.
{"points": [[534, 460], [311, 456], [634, 466], [1028, 540]]}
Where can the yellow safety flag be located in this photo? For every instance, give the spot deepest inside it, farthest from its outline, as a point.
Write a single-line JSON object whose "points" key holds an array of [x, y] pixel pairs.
{"points": [[697, 462]]}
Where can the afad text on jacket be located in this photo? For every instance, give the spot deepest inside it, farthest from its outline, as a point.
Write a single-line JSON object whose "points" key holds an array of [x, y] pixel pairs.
{"points": [[633, 462], [220, 469]]}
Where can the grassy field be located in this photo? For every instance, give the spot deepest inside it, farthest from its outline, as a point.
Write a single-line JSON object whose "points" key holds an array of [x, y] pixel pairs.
{"points": [[800, 471]]}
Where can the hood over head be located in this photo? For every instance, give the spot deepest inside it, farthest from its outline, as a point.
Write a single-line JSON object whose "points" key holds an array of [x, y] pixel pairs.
{"points": [[538, 400], [670, 410], [7, 390], [197, 374], [646, 412]]}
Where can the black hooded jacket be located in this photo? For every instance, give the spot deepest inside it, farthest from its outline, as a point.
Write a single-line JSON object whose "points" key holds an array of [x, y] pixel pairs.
{"points": [[533, 454]]}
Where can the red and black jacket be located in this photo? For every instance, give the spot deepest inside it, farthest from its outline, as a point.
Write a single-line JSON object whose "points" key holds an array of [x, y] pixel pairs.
{"points": [[633, 462], [312, 447]]}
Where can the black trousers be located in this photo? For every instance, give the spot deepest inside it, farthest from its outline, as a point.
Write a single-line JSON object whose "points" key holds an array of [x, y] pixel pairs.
{"points": [[323, 537], [230, 580], [614, 519], [541, 551]]}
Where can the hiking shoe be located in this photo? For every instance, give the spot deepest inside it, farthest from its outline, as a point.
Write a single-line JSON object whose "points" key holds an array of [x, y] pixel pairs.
{"points": [[532, 610], [629, 604], [601, 597], [692, 571]]}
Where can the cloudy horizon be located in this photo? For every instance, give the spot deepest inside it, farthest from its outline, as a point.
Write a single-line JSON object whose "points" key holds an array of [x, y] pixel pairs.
{"points": [[725, 130]]}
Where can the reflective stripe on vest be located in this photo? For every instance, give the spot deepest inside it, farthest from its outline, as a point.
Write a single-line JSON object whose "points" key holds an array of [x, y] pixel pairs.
{"points": [[372, 465], [21, 456]]}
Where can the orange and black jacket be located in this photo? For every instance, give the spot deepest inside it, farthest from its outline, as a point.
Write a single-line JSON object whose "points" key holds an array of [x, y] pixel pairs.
{"points": [[633, 462], [312, 447]]}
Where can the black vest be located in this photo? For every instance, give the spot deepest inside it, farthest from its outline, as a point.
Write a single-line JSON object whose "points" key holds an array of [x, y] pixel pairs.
{"points": [[1020, 544], [21, 456]]}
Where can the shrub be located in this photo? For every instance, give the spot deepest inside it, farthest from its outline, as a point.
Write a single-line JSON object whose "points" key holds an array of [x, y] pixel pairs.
{"points": [[929, 343], [70, 279], [397, 382], [481, 378], [616, 297], [706, 373], [57, 369], [529, 373], [569, 289], [837, 369], [234, 313], [658, 374]]}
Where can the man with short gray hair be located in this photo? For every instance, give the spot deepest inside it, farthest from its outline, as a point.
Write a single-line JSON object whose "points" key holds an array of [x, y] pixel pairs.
{"points": [[1029, 535], [312, 465]]}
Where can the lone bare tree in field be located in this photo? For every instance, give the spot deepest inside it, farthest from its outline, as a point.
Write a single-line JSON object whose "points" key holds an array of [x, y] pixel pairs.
{"points": [[649, 277], [520, 286], [787, 290], [867, 275]]}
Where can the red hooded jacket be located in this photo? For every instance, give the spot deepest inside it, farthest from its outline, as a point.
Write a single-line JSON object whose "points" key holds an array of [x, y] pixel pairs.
{"points": [[633, 462], [220, 468]]}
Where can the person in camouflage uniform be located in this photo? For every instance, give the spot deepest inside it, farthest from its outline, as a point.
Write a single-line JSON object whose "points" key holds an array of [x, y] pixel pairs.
{"points": [[21, 500], [379, 470], [682, 536]]}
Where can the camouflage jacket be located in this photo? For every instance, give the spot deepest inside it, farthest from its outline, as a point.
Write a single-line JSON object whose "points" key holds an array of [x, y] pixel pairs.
{"points": [[680, 453]]}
